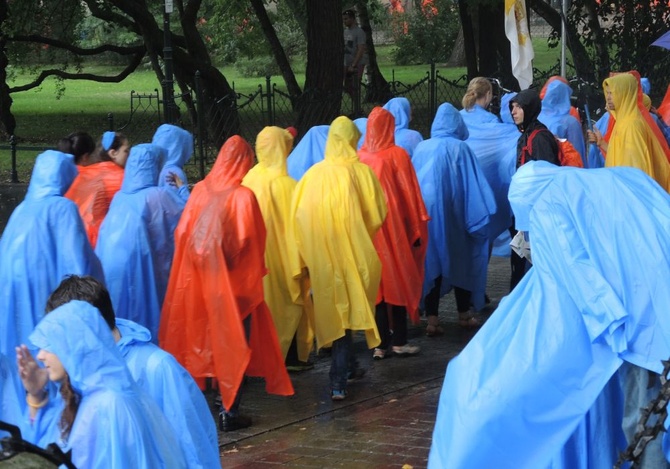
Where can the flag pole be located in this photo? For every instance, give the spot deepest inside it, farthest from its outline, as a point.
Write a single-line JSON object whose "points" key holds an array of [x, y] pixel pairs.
{"points": [[564, 33]]}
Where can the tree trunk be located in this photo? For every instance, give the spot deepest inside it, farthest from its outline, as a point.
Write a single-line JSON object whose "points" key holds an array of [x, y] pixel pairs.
{"points": [[378, 89], [457, 57], [322, 96], [277, 49], [495, 60], [600, 42], [469, 39], [7, 121]]}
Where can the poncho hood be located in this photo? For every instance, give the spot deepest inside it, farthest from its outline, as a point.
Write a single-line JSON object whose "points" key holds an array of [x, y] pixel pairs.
{"points": [[401, 110], [53, 174], [380, 130], [176, 142], [448, 122], [624, 88], [505, 108], [342, 140], [76, 333], [531, 104], [273, 145], [556, 100], [235, 159], [142, 168]]}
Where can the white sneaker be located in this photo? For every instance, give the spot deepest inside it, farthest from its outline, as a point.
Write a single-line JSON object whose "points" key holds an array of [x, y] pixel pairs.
{"points": [[406, 350], [379, 354]]}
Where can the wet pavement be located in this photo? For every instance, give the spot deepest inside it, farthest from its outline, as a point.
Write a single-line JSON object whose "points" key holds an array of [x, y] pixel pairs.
{"points": [[385, 422]]}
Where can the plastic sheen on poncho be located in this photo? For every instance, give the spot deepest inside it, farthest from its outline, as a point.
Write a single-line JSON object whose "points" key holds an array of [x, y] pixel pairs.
{"points": [[273, 188], [177, 144], [460, 204], [116, 423], [217, 281], [526, 381], [44, 240], [402, 240], [404, 136], [307, 152], [337, 208], [136, 240]]}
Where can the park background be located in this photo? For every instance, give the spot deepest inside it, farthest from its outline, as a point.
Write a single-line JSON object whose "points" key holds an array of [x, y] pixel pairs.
{"points": [[238, 66]]}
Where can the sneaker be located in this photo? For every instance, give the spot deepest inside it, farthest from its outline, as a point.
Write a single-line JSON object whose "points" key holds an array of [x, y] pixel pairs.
{"points": [[406, 350], [356, 374], [338, 394], [230, 423], [379, 354], [299, 366]]}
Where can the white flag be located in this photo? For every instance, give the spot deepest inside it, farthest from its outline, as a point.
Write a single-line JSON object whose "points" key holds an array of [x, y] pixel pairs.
{"points": [[516, 30]]}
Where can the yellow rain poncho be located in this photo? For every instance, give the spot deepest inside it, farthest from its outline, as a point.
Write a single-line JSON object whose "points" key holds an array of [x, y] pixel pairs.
{"points": [[633, 142], [337, 208], [273, 187]]}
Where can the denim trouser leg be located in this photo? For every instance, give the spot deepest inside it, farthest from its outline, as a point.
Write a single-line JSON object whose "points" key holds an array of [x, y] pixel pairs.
{"points": [[340, 361]]}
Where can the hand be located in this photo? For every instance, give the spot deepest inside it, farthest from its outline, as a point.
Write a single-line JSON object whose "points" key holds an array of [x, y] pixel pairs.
{"points": [[33, 376], [174, 180], [594, 136]]}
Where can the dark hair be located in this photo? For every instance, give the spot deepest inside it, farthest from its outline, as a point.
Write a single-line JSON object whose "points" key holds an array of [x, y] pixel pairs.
{"points": [[118, 142], [350, 13], [77, 144], [71, 398], [86, 288]]}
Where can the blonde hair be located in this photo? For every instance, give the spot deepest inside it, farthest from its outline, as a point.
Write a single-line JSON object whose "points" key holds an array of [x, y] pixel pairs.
{"points": [[477, 88]]}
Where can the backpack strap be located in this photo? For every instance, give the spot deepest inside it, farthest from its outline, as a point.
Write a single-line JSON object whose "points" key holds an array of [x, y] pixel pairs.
{"points": [[528, 148]]}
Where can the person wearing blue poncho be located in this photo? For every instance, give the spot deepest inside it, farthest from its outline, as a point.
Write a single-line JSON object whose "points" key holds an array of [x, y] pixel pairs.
{"points": [[402, 113], [44, 240], [177, 144], [12, 395], [494, 144], [460, 204], [546, 358], [106, 420], [156, 372], [307, 152], [556, 116], [362, 126], [136, 240]]}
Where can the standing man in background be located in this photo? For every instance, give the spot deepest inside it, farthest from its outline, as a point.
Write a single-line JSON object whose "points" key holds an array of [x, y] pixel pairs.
{"points": [[355, 58]]}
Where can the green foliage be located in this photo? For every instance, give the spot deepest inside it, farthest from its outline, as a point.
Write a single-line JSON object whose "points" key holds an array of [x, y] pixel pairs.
{"points": [[425, 35], [257, 67]]}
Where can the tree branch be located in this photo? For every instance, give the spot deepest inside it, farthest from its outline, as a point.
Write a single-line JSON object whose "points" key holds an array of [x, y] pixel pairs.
{"points": [[130, 68], [78, 50]]}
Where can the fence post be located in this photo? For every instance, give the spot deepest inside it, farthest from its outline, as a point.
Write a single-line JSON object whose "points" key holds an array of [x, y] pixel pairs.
{"points": [[200, 126], [12, 144], [268, 97], [433, 91], [110, 121]]}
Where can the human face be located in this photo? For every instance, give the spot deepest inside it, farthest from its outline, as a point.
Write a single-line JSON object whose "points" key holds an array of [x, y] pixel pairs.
{"points": [[120, 156], [347, 20], [609, 99], [517, 113], [52, 364]]}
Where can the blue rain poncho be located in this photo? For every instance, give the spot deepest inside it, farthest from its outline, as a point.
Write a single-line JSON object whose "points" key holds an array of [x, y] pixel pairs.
{"points": [[116, 425], [404, 136], [136, 240], [556, 116], [308, 151], [177, 144], [160, 375], [44, 240], [595, 158], [460, 203], [362, 126], [494, 145], [12, 394], [596, 295]]}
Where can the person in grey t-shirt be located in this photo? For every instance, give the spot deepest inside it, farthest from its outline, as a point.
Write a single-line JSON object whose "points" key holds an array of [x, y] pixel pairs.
{"points": [[355, 57]]}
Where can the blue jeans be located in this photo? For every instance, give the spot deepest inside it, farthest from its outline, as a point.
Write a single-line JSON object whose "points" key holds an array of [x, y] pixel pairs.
{"points": [[342, 361]]}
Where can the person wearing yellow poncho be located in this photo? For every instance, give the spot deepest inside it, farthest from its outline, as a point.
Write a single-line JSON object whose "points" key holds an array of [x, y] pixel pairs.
{"points": [[273, 187], [633, 142], [337, 208]]}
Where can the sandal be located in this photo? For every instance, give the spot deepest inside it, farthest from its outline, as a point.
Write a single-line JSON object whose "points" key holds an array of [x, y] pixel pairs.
{"points": [[433, 330], [469, 320]]}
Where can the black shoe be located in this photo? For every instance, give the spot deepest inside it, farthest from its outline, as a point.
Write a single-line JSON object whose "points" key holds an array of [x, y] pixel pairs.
{"points": [[230, 423], [299, 366]]}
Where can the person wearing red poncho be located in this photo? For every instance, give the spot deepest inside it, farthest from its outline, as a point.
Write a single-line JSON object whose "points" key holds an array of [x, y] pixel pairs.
{"points": [[215, 320], [100, 177], [401, 241]]}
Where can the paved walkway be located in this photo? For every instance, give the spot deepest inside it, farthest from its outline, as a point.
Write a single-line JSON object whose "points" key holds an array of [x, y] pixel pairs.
{"points": [[385, 422]]}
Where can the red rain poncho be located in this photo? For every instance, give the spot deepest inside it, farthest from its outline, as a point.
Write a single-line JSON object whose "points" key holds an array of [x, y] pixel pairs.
{"points": [[217, 280], [401, 241]]}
